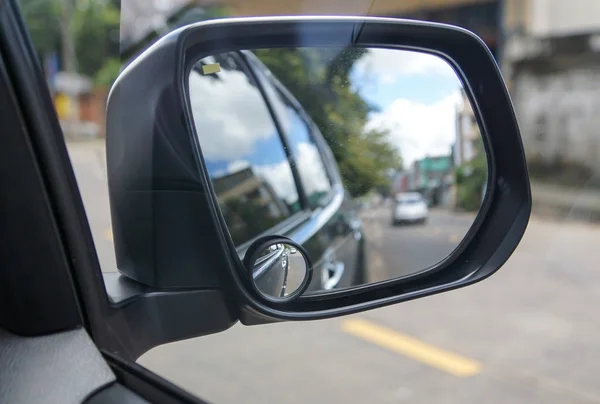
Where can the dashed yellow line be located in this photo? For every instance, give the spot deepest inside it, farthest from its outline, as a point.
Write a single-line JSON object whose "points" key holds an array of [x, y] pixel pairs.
{"points": [[448, 362], [108, 234]]}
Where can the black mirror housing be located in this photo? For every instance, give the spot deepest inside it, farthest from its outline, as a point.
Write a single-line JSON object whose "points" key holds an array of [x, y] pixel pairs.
{"points": [[169, 231]]}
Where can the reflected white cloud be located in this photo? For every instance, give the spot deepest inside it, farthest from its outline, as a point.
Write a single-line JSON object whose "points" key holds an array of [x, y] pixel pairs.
{"points": [[310, 165], [388, 65], [230, 113], [419, 129], [237, 165], [279, 176]]}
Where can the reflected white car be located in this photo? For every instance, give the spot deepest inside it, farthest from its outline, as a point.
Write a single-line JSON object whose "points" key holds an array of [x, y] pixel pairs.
{"points": [[409, 207]]}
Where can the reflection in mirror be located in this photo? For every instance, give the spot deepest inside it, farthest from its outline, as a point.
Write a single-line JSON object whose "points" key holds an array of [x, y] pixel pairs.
{"points": [[371, 159], [279, 270]]}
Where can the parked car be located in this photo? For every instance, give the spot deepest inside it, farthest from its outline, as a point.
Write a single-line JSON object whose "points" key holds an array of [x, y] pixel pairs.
{"points": [[409, 207]]}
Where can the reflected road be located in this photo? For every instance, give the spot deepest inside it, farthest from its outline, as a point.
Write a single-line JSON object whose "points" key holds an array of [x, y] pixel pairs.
{"points": [[395, 251]]}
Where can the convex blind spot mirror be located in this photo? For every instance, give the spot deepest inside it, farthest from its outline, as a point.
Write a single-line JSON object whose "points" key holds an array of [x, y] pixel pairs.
{"points": [[412, 135], [383, 154], [278, 268]]}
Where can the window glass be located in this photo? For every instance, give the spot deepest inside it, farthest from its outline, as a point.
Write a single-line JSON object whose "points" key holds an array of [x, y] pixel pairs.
{"points": [[242, 149], [310, 165], [308, 159]]}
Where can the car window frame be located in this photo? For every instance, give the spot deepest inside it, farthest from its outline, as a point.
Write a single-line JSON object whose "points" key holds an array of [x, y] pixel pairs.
{"points": [[295, 219], [313, 132]]}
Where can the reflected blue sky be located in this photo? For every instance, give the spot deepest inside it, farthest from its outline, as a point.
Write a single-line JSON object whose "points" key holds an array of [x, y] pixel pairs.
{"points": [[384, 75], [426, 88], [416, 96], [258, 156]]}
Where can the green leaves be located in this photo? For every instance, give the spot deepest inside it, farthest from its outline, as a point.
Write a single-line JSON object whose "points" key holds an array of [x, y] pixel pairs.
{"points": [[96, 32], [93, 25], [108, 73], [42, 18]]}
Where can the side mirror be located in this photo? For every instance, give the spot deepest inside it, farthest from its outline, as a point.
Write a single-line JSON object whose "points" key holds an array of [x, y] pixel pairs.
{"points": [[177, 220]]}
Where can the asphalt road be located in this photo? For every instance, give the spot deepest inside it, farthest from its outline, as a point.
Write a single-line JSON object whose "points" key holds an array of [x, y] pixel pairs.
{"points": [[401, 250], [530, 333]]}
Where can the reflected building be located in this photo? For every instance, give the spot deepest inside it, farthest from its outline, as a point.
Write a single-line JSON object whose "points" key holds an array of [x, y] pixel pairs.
{"points": [[245, 186], [431, 176], [467, 147], [405, 181], [433, 179], [464, 148], [249, 204]]}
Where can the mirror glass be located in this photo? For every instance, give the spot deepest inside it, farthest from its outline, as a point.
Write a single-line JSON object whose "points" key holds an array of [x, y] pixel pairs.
{"points": [[279, 270], [370, 158]]}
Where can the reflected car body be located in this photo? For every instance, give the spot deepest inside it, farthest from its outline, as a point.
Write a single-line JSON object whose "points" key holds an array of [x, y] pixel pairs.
{"points": [[326, 224], [409, 207], [270, 272]]}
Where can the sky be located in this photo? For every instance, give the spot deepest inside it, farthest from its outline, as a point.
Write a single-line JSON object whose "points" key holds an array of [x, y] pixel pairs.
{"points": [[417, 95]]}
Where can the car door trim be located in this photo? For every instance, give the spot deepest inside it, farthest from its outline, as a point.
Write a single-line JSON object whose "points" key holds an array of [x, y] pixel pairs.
{"points": [[34, 369]]}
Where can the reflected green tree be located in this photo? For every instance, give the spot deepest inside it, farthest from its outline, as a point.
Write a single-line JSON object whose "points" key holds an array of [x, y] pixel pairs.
{"points": [[320, 80]]}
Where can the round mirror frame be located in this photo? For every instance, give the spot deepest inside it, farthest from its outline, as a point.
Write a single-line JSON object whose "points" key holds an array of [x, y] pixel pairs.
{"points": [[252, 254]]}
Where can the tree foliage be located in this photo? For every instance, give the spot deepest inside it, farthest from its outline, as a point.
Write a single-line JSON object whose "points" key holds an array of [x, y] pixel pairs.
{"points": [[94, 25], [96, 30], [43, 23], [320, 79]]}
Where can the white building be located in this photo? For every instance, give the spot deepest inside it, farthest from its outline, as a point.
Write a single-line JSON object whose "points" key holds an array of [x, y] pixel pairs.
{"points": [[552, 64], [467, 133]]}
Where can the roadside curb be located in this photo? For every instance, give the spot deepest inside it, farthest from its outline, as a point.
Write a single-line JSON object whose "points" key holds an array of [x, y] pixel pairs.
{"points": [[565, 203], [559, 212]]}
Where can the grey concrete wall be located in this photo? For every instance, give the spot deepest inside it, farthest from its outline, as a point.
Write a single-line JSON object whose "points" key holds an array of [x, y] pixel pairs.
{"points": [[559, 114]]}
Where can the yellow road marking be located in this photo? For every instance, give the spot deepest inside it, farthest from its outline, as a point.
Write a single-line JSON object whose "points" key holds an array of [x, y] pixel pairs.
{"points": [[108, 234], [448, 362]]}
